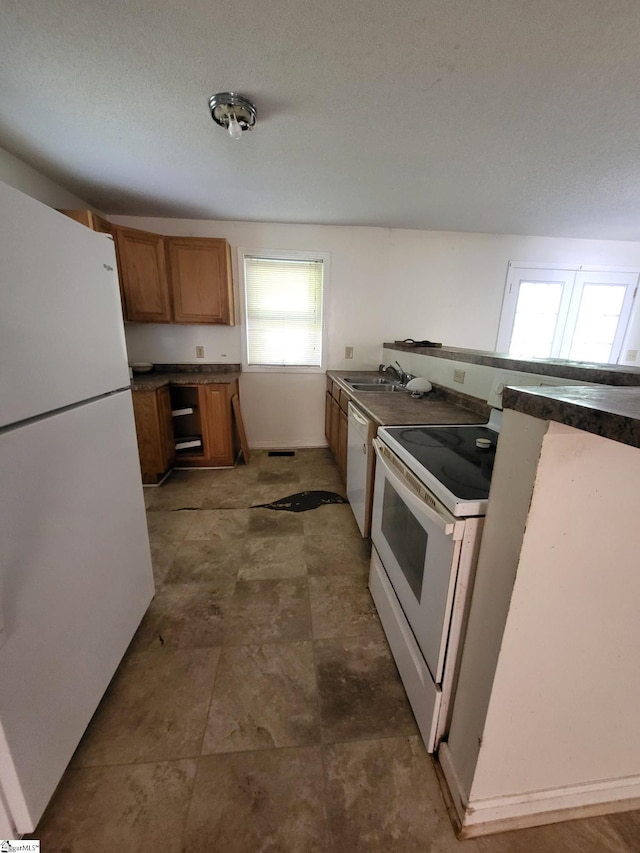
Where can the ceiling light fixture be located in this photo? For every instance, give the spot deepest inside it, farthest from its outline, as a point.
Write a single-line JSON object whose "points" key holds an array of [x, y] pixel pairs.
{"points": [[233, 112]]}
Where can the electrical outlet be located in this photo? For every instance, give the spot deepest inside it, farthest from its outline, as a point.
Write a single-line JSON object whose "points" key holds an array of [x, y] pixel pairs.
{"points": [[199, 352], [458, 376], [348, 352], [632, 355]]}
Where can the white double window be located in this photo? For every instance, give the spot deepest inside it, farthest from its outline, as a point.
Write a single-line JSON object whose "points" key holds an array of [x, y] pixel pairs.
{"points": [[284, 310], [574, 314]]}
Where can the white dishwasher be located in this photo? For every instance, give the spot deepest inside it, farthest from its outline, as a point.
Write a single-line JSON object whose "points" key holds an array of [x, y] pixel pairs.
{"points": [[360, 459]]}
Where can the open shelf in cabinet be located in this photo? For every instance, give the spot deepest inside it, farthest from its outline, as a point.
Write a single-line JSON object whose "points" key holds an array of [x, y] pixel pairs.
{"points": [[187, 422]]}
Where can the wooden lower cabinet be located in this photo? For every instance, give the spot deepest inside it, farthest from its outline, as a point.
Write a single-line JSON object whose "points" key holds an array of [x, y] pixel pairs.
{"points": [[189, 426], [152, 411], [336, 423], [218, 432], [210, 423]]}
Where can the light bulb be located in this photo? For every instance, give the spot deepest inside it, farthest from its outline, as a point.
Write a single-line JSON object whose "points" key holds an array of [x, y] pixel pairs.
{"points": [[235, 131]]}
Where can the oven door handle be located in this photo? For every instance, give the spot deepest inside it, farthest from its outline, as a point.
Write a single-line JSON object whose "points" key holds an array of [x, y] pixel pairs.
{"points": [[447, 523]]}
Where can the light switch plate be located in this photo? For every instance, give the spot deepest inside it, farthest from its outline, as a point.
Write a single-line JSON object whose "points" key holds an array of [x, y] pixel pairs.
{"points": [[348, 352]]}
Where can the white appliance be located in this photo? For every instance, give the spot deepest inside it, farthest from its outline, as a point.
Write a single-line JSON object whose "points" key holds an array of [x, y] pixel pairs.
{"points": [[75, 568], [360, 457], [431, 490]]}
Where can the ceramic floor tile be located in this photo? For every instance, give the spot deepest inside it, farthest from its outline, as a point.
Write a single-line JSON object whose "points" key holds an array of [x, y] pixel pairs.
{"points": [[315, 456], [287, 478], [205, 561], [269, 611], [230, 496], [327, 481], [273, 557], [382, 795], [341, 606], [184, 496], [361, 695], [264, 697], [270, 522], [267, 691], [208, 477], [155, 709], [271, 801], [265, 462], [169, 527], [141, 808], [337, 518], [627, 825], [328, 554], [590, 835], [183, 616], [266, 494], [162, 556], [220, 524]]}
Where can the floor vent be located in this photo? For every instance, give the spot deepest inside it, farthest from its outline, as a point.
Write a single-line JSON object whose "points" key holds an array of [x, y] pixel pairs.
{"points": [[281, 453]]}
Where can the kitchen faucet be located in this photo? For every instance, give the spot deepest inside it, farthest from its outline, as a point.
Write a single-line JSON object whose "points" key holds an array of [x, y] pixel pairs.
{"points": [[401, 375]]}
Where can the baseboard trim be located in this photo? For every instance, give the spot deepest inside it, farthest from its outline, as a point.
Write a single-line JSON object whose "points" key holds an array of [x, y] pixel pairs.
{"points": [[285, 445], [501, 814]]}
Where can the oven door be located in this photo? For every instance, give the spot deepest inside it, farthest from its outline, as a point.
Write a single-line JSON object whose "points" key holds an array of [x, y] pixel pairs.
{"points": [[419, 544]]}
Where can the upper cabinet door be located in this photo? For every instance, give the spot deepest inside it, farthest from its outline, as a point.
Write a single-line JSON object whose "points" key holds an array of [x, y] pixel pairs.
{"points": [[201, 282], [143, 276]]}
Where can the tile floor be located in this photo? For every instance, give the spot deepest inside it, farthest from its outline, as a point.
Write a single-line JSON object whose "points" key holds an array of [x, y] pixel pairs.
{"points": [[258, 707]]}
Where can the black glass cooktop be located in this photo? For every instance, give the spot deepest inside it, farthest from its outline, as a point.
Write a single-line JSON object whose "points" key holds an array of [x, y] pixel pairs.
{"points": [[450, 454]]}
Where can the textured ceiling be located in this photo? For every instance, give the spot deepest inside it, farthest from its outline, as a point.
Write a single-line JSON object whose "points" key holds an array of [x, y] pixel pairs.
{"points": [[496, 116]]}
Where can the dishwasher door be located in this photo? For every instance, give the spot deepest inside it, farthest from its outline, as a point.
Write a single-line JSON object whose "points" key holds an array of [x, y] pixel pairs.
{"points": [[360, 459]]}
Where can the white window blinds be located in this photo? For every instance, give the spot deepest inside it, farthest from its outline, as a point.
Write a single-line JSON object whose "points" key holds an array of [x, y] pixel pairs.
{"points": [[283, 301]]}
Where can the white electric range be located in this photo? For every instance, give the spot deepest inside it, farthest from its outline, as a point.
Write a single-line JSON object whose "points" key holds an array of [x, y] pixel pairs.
{"points": [[431, 492]]}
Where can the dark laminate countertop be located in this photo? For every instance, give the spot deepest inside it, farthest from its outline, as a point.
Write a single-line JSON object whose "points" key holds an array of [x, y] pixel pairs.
{"points": [[611, 412], [438, 407], [187, 374], [582, 371]]}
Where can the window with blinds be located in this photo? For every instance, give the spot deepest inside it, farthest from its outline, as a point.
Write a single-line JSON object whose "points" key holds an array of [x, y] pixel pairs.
{"points": [[283, 310]]}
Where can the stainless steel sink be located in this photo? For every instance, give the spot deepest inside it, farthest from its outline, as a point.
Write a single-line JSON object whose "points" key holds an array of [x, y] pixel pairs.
{"points": [[376, 387], [369, 380]]}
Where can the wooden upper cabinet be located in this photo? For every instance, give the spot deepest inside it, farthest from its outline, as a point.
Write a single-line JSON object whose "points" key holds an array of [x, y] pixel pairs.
{"points": [[90, 220], [143, 276], [201, 282], [169, 279]]}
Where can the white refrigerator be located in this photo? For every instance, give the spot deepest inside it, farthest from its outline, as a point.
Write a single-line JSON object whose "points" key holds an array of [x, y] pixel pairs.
{"points": [[75, 567]]}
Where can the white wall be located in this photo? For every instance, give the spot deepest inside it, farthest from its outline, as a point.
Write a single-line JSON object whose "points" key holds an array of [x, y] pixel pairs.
{"points": [[559, 686], [385, 285], [22, 177]]}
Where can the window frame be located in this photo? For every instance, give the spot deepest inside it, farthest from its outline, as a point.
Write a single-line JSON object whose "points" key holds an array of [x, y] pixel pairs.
{"points": [[283, 255], [573, 280]]}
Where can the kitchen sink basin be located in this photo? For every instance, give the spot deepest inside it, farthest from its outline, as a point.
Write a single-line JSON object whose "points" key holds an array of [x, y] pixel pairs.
{"points": [[369, 380], [386, 387]]}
